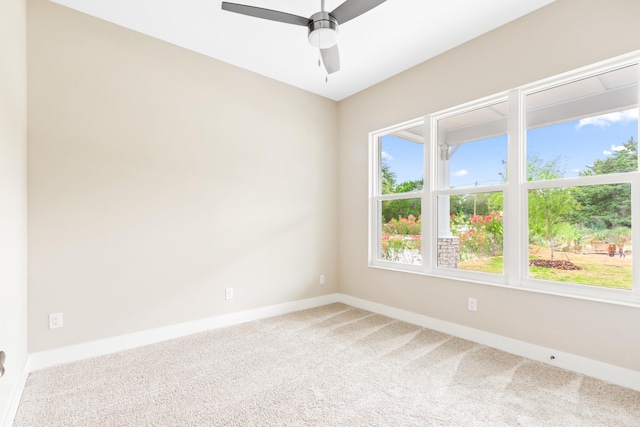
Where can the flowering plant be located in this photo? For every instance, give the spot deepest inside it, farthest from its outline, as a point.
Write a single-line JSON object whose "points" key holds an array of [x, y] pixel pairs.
{"points": [[480, 235], [402, 240]]}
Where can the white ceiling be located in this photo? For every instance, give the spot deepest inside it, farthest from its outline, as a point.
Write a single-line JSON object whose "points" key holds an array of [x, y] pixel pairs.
{"points": [[385, 41]]}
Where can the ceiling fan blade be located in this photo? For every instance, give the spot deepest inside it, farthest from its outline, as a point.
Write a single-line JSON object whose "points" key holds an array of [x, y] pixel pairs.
{"points": [[331, 59], [353, 8], [272, 15]]}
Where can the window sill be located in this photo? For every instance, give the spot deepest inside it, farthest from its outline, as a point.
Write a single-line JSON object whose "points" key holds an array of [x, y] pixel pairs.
{"points": [[625, 303]]}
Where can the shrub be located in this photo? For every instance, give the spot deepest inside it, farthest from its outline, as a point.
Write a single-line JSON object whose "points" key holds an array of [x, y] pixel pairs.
{"points": [[402, 240], [480, 235]]}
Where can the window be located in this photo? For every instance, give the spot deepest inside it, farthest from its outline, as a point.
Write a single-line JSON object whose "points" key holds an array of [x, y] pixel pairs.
{"points": [[534, 188], [581, 160], [471, 154], [399, 170]]}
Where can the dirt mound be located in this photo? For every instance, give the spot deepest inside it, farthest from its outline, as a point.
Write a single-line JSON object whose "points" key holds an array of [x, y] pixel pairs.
{"points": [[557, 264]]}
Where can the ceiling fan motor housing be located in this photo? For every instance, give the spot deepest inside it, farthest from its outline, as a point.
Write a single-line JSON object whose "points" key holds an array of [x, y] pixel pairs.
{"points": [[323, 30]]}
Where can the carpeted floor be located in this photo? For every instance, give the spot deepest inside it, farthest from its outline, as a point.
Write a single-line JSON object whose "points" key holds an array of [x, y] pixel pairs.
{"points": [[331, 366]]}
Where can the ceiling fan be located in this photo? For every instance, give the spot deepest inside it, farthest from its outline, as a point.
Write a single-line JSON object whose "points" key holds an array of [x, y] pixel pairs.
{"points": [[323, 26]]}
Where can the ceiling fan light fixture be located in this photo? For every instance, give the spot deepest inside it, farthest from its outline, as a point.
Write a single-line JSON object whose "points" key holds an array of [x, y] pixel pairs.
{"points": [[323, 38], [323, 30]]}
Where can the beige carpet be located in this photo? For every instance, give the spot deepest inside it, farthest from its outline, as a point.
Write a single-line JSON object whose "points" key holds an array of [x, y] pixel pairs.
{"points": [[330, 366]]}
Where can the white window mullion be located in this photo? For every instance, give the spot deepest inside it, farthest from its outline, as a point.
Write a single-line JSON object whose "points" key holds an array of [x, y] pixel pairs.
{"points": [[514, 252], [635, 233], [635, 215], [522, 193], [428, 236], [374, 162], [376, 208]]}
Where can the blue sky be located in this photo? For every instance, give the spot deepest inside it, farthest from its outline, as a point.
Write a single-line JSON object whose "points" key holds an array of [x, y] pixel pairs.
{"points": [[578, 143]]}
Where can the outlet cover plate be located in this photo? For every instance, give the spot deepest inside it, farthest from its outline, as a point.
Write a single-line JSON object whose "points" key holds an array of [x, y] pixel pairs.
{"points": [[55, 320]]}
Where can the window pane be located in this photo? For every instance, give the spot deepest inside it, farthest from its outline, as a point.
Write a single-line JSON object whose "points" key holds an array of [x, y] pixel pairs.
{"points": [[581, 235], [401, 231], [586, 127], [470, 232], [473, 147], [401, 161]]}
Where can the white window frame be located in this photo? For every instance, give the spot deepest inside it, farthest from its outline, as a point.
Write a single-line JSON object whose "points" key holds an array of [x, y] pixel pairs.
{"points": [[435, 191], [376, 198], [515, 196]]}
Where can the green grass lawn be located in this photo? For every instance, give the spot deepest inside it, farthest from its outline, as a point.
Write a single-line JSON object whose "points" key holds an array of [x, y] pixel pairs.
{"points": [[593, 274], [485, 265], [597, 270]]}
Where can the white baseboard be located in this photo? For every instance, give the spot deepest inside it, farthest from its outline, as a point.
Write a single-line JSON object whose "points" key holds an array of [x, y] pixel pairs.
{"points": [[10, 415], [46, 359], [603, 371]]}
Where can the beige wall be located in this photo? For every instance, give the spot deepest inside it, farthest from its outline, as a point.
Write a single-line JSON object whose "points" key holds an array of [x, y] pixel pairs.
{"points": [[159, 177], [13, 195], [562, 36]]}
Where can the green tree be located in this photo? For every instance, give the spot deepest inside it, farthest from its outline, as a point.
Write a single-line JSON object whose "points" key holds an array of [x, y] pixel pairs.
{"points": [[607, 206], [408, 186], [624, 160], [396, 209], [470, 204], [388, 179], [496, 200], [549, 208]]}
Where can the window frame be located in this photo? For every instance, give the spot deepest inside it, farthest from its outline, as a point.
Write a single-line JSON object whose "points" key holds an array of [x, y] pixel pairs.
{"points": [[376, 198], [515, 195], [436, 192]]}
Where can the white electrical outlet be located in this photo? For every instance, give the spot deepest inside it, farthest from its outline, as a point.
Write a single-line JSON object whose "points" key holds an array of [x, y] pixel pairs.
{"points": [[228, 294], [472, 304], [322, 281], [55, 320]]}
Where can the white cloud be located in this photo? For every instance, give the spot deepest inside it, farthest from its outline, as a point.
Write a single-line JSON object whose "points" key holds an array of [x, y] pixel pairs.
{"points": [[386, 156], [607, 120], [576, 170], [461, 172], [614, 148]]}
